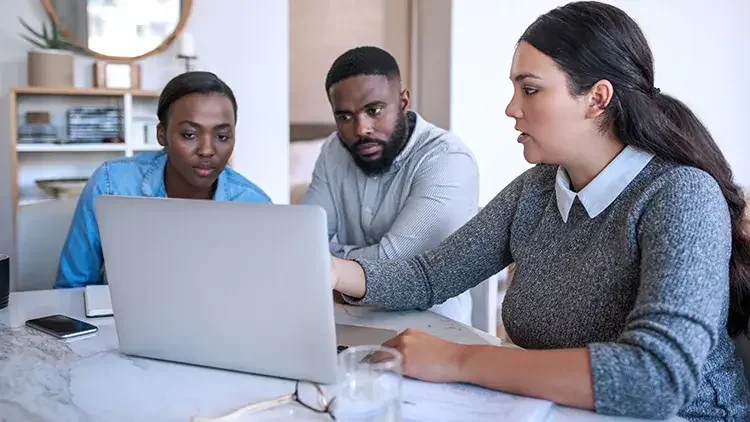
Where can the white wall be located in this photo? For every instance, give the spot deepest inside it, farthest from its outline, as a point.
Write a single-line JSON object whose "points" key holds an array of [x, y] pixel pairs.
{"points": [[701, 50], [12, 73], [245, 42]]}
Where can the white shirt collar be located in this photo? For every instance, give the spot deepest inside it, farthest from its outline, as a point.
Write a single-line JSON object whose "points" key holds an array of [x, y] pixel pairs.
{"points": [[605, 187]]}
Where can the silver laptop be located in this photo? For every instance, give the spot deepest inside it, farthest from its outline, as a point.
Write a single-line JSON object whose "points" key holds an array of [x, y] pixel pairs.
{"points": [[229, 285]]}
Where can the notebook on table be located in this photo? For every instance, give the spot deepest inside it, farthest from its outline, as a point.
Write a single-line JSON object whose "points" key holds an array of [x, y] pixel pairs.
{"points": [[98, 303]]}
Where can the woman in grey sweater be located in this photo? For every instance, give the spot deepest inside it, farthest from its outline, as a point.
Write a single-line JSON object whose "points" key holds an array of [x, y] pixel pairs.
{"points": [[632, 266]]}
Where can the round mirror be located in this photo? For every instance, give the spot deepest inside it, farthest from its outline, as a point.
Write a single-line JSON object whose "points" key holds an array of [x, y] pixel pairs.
{"points": [[120, 30]]}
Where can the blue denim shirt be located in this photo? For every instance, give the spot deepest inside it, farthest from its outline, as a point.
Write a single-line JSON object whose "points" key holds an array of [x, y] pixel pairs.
{"points": [[142, 175]]}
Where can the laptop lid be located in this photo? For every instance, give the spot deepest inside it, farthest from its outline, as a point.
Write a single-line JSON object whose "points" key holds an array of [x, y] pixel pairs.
{"points": [[229, 285]]}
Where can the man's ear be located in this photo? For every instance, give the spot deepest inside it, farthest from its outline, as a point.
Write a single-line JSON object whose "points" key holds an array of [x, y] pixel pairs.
{"points": [[405, 99], [161, 134]]}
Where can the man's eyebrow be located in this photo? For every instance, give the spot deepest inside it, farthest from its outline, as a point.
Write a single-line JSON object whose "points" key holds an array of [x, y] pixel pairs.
{"points": [[376, 103]]}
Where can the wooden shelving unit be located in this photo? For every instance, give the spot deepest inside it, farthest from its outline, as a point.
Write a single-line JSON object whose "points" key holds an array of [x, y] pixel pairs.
{"points": [[93, 92], [70, 148], [51, 160]]}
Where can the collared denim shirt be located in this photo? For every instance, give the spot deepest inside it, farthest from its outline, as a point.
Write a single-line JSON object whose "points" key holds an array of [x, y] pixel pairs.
{"points": [[81, 260]]}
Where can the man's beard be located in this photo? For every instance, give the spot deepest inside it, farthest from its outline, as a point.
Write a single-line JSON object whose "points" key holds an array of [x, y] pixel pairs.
{"points": [[391, 149]]}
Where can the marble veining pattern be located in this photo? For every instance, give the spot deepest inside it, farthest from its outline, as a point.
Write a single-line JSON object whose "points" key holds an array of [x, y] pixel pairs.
{"points": [[35, 375], [45, 379]]}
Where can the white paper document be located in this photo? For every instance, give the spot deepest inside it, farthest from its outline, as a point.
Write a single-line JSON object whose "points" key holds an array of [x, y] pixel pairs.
{"points": [[423, 401]]}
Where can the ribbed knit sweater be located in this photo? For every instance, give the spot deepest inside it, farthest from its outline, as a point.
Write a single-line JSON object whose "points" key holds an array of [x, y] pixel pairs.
{"points": [[643, 285]]}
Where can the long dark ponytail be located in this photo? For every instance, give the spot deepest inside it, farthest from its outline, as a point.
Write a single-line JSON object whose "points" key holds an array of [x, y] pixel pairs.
{"points": [[592, 41]]}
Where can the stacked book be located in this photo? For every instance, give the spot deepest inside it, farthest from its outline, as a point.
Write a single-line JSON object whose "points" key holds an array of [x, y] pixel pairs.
{"points": [[37, 133], [92, 125]]}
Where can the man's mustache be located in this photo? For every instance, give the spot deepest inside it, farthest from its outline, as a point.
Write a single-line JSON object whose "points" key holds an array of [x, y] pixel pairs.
{"points": [[365, 141]]}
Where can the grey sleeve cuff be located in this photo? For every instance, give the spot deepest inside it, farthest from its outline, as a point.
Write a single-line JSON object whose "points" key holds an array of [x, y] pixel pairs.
{"points": [[394, 285]]}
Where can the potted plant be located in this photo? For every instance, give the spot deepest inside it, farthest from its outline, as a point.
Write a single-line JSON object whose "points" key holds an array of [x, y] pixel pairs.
{"points": [[51, 60]]}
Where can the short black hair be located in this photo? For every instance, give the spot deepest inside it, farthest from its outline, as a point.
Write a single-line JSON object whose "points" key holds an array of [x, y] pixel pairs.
{"points": [[366, 60], [187, 83]]}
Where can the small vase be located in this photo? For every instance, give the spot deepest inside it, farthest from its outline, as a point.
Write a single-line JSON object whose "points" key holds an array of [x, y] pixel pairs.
{"points": [[51, 68]]}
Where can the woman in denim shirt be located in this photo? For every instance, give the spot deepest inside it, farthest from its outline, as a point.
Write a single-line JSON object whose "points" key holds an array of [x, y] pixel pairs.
{"points": [[197, 115]]}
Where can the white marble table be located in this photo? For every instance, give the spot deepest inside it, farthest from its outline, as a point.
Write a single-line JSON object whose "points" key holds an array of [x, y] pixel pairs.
{"points": [[45, 379]]}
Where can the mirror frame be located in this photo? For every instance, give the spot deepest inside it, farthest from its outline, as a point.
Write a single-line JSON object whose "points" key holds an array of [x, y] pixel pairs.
{"points": [[186, 7]]}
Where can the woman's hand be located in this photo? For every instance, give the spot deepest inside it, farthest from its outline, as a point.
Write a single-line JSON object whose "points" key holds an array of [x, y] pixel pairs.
{"points": [[334, 273], [337, 298], [562, 376], [347, 277], [427, 357]]}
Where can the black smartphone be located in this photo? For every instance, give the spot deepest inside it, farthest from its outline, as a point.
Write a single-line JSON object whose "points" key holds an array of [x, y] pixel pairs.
{"points": [[62, 326]]}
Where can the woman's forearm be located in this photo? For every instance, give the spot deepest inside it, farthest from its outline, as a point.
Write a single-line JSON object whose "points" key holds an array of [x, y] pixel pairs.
{"points": [[561, 376]]}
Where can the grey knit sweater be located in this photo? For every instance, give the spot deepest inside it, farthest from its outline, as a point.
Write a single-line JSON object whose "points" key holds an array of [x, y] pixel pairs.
{"points": [[644, 285]]}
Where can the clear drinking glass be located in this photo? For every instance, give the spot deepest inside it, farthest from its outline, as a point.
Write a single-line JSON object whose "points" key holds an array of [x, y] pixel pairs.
{"points": [[369, 385]]}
